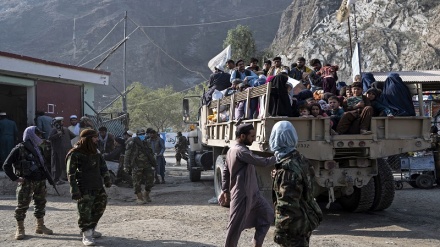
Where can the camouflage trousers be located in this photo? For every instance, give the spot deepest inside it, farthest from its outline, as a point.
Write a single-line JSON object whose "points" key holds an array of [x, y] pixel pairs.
{"points": [[139, 176], [181, 153], [27, 191], [91, 207], [292, 241]]}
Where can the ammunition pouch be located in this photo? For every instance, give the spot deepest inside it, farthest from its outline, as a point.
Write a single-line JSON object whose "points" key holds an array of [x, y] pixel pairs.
{"points": [[25, 168]]}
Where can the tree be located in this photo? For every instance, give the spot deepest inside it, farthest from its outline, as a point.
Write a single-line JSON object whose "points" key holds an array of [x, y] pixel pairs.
{"points": [[242, 43]]}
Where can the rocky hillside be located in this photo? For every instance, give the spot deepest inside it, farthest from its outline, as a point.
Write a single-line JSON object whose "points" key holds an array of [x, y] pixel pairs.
{"points": [[394, 34], [44, 29]]}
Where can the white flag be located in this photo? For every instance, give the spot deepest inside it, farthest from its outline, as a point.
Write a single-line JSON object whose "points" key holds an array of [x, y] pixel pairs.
{"points": [[355, 65], [349, 2], [219, 61]]}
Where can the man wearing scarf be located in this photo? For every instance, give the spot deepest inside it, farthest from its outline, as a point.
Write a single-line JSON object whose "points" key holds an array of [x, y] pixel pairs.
{"points": [[26, 158], [86, 172], [106, 142], [296, 212], [248, 208]]}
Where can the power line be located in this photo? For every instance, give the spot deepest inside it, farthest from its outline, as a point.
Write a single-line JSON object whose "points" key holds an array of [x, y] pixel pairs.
{"points": [[108, 50], [215, 22], [100, 41], [160, 48]]}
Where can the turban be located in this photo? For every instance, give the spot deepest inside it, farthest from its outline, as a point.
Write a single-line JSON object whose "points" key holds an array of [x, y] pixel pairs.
{"points": [[88, 133]]}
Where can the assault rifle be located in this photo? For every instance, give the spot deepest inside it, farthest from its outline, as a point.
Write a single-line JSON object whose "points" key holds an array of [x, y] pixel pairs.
{"points": [[42, 167]]}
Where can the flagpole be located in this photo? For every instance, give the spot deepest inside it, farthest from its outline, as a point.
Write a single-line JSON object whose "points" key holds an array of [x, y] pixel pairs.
{"points": [[356, 39], [349, 36]]}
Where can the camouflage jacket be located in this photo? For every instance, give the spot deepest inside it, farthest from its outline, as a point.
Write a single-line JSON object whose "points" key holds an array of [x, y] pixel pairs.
{"points": [[181, 143], [86, 172], [138, 154], [297, 212]]}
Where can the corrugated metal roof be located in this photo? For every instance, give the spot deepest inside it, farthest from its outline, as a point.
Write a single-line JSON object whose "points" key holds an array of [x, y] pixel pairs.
{"points": [[411, 76]]}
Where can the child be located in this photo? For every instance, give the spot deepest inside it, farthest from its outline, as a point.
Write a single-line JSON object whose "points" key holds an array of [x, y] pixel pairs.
{"points": [[335, 112], [304, 111], [316, 111], [356, 107]]}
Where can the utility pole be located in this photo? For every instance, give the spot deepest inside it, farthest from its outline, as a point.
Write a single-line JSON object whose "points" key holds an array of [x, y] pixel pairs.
{"points": [[124, 79], [74, 40]]}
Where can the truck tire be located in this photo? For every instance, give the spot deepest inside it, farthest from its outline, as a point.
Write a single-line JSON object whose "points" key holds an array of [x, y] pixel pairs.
{"points": [[361, 200], [384, 186], [218, 173], [194, 175], [424, 181], [413, 180]]}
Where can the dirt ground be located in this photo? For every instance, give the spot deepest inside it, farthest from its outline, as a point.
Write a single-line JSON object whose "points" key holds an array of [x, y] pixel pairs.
{"points": [[180, 215]]}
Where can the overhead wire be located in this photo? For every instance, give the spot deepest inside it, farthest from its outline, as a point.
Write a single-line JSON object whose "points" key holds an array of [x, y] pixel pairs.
{"points": [[215, 22], [168, 55], [108, 50], [100, 41]]}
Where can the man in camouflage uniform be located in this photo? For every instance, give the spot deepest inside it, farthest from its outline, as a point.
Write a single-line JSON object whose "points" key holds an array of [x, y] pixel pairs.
{"points": [[181, 148], [296, 212], [26, 160], [139, 160], [86, 172]]}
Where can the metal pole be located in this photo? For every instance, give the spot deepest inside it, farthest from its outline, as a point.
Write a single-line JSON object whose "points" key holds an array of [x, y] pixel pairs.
{"points": [[356, 39], [349, 36], [124, 79]]}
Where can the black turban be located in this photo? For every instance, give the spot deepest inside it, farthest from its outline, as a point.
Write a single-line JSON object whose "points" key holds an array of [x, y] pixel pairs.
{"points": [[88, 133]]}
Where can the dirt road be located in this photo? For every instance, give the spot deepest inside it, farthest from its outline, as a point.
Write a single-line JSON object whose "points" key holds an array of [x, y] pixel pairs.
{"points": [[180, 215]]}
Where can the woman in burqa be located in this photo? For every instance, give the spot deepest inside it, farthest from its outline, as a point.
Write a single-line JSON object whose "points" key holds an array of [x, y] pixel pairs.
{"points": [[296, 212], [397, 97], [367, 80], [279, 103]]}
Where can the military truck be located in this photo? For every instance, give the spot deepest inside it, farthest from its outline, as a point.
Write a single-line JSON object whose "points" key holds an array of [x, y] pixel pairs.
{"points": [[349, 169]]}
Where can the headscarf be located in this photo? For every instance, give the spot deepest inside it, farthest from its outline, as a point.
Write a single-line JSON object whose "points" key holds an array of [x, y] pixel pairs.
{"points": [[367, 80], [283, 139], [30, 135], [86, 145]]}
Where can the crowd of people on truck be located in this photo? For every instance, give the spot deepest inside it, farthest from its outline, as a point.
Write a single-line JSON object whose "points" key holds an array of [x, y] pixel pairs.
{"points": [[300, 91]]}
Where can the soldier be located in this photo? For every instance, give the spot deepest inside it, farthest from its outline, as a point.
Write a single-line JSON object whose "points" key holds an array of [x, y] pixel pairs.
{"points": [[139, 161], [296, 212], [26, 160], [86, 170], [181, 148]]}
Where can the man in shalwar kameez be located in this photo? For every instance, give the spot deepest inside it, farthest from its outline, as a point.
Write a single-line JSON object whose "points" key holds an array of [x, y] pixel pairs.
{"points": [[248, 208]]}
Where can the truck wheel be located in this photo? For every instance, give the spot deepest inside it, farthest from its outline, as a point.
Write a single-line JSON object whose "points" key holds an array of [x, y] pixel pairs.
{"points": [[384, 187], [413, 180], [398, 185], [218, 172], [112, 177], [424, 181], [360, 200], [194, 175]]}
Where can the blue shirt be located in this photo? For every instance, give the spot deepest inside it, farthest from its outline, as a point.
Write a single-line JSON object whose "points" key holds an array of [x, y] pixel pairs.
{"points": [[251, 78]]}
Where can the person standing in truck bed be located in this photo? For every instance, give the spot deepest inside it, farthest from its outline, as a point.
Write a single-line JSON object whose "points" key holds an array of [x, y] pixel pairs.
{"points": [[248, 208]]}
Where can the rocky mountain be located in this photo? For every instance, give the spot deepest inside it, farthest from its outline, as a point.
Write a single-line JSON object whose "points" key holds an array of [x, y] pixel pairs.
{"points": [[394, 34], [156, 56]]}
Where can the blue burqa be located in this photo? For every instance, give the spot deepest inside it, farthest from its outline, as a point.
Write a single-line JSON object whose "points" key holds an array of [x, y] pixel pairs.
{"points": [[367, 80], [397, 97]]}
